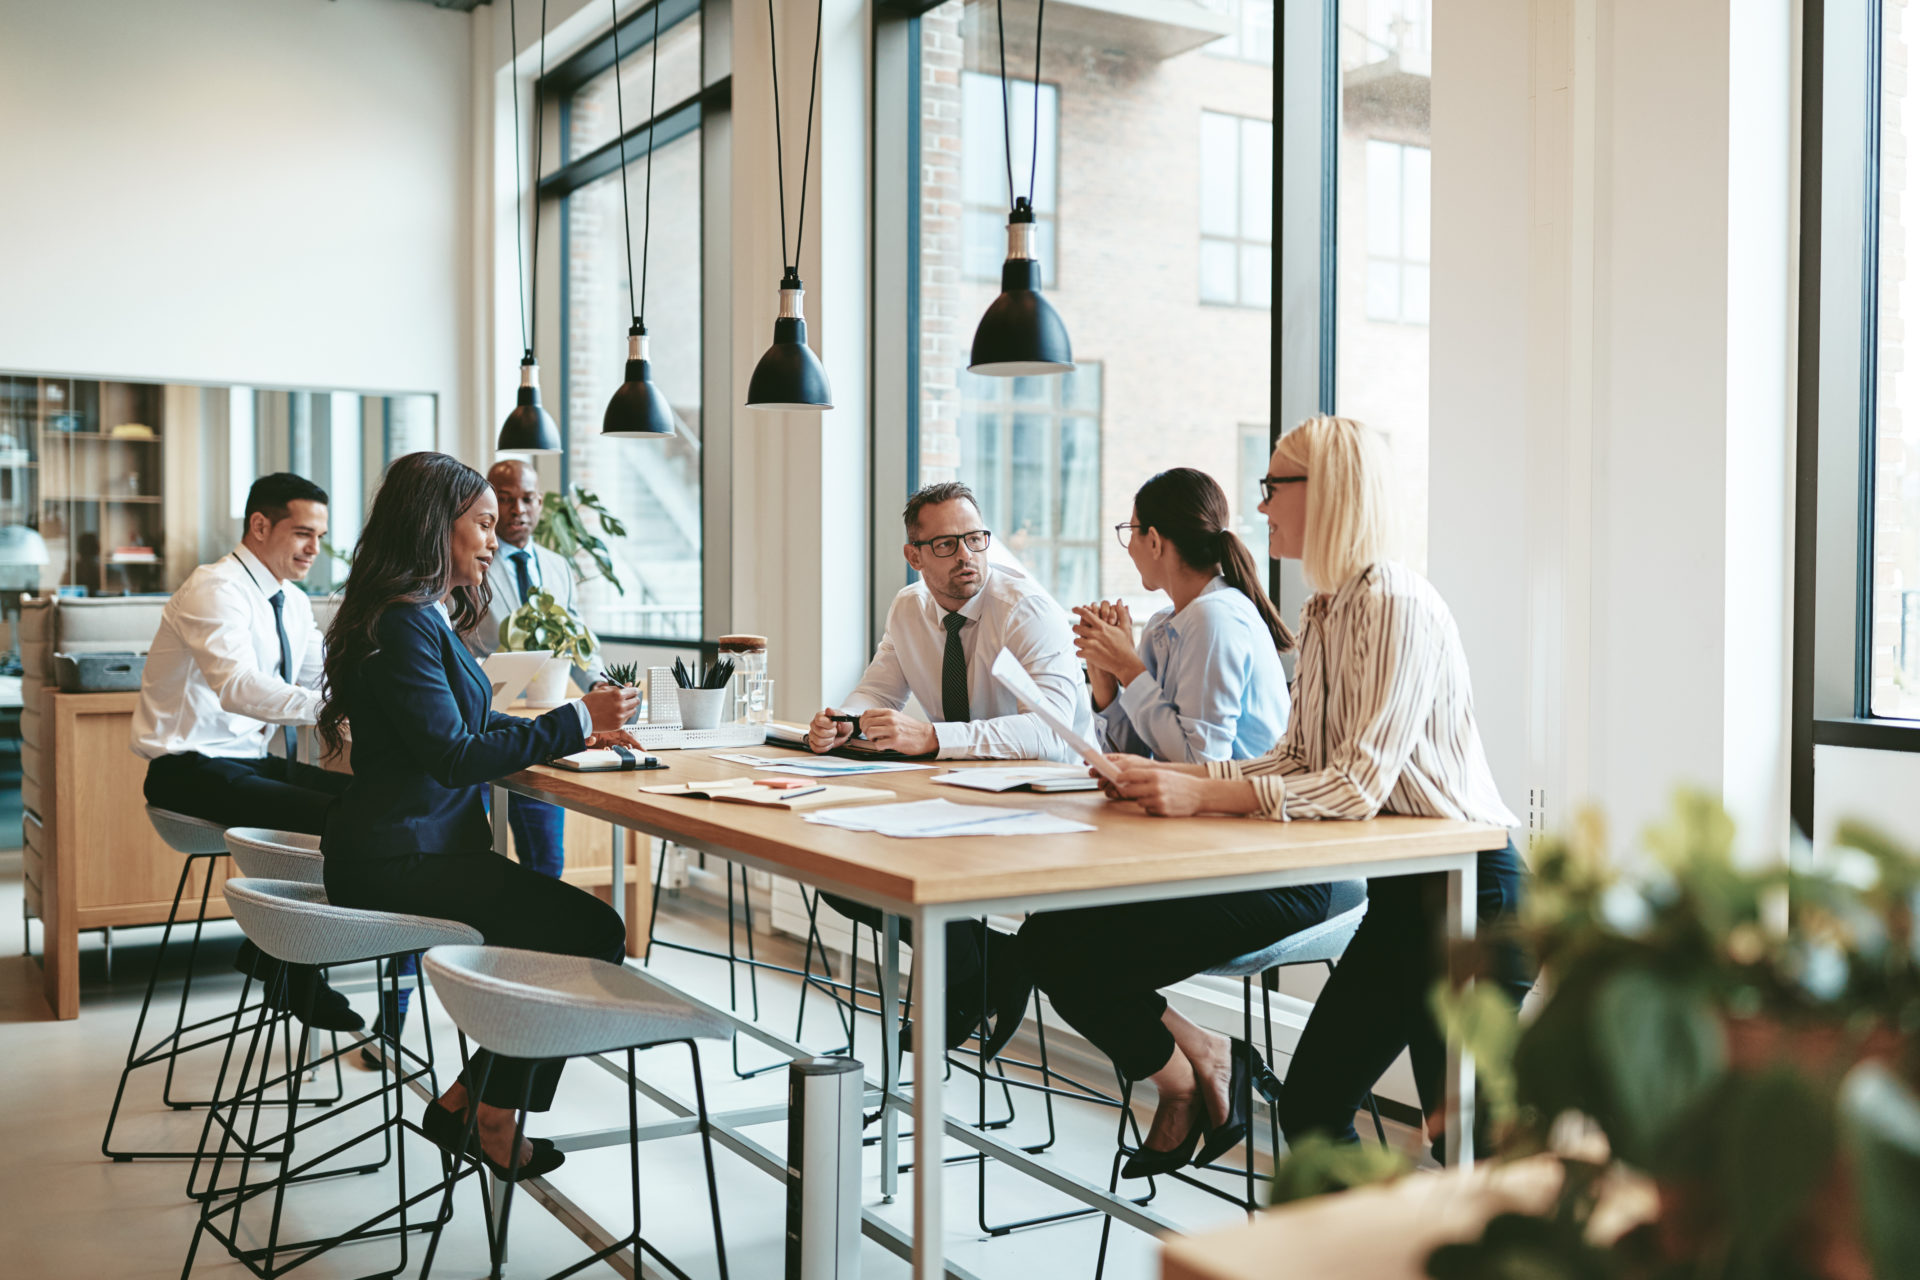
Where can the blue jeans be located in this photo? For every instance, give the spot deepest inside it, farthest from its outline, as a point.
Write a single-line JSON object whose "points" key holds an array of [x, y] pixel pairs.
{"points": [[1375, 1003], [538, 834]]}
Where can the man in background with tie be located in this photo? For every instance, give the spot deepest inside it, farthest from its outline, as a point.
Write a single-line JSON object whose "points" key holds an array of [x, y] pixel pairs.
{"points": [[235, 665], [943, 634], [522, 568]]}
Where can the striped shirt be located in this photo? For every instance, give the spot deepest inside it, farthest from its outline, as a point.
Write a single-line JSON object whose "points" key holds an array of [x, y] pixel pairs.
{"points": [[1382, 712]]}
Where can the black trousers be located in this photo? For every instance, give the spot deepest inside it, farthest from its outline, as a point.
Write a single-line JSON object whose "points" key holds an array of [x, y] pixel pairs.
{"points": [[512, 906], [266, 791], [1103, 967], [1376, 1002]]}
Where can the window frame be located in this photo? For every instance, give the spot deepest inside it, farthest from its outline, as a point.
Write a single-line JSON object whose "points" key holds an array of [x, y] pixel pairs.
{"points": [[1239, 240], [1048, 215], [706, 111]]}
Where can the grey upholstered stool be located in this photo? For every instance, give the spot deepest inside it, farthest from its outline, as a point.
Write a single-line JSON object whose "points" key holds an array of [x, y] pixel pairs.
{"points": [[293, 922], [201, 844], [1323, 943], [529, 1004], [260, 853]]}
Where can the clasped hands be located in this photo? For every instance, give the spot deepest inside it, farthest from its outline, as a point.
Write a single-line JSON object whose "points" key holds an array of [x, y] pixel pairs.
{"points": [[887, 730], [1103, 637]]}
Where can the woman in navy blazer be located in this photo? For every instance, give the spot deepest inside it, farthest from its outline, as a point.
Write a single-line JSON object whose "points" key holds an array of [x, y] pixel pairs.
{"points": [[411, 832]]}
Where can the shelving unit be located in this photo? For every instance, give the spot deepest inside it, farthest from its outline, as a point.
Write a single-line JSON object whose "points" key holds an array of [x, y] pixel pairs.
{"points": [[89, 492]]}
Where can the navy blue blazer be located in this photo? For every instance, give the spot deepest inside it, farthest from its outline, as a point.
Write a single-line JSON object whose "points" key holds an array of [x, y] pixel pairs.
{"points": [[426, 742]]}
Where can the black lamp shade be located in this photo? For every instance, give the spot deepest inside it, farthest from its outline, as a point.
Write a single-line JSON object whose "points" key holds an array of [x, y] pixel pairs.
{"points": [[639, 409], [1020, 335], [789, 376], [529, 428]]}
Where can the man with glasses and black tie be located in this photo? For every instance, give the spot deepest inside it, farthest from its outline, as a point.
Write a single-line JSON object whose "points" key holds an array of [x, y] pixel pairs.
{"points": [[234, 667], [943, 634]]}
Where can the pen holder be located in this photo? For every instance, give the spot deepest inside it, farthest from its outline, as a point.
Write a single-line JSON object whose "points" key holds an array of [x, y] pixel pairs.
{"points": [[702, 708]]}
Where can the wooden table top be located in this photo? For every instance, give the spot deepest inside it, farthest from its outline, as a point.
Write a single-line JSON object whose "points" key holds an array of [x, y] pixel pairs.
{"points": [[1129, 848]]}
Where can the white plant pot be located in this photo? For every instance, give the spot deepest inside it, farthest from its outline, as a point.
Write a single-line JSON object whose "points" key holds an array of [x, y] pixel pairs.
{"points": [[549, 688]]}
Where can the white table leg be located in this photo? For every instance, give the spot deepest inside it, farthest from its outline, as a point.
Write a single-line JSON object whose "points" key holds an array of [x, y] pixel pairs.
{"points": [[620, 872], [929, 1111], [890, 1055], [1462, 920], [502, 833]]}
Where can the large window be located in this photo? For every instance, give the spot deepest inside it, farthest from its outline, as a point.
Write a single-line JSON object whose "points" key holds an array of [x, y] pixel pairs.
{"points": [[1892, 593], [1236, 210], [1252, 37], [1164, 379], [653, 487], [1381, 268]]}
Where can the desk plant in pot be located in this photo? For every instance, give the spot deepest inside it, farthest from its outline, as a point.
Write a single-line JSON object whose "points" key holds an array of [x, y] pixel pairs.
{"points": [[1739, 1042], [542, 623], [563, 528]]}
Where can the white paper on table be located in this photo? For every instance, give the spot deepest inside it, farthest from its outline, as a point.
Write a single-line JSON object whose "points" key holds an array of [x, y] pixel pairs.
{"points": [[1008, 671], [1011, 779], [822, 768], [924, 819]]}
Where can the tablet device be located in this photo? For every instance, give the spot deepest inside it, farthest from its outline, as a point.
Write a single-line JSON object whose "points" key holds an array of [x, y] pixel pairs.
{"points": [[511, 673]]}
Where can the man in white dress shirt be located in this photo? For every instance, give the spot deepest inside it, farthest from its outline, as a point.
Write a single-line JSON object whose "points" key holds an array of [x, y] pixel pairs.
{"points": [[235, 665], [522, 568], [943, 634]]}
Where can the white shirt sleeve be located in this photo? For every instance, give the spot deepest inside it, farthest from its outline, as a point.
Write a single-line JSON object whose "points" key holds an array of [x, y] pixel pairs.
{"points": [[213, 623], [586, 717], [1040, 640], [884, 684]]}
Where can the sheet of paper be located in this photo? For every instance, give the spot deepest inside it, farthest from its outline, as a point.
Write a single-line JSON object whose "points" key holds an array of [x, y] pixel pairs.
{"points": [[932, 819], [1009, 779], [1008, 671], [817, 768]]}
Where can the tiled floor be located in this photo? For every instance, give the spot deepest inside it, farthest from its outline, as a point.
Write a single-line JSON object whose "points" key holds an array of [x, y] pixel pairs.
{"points": [[67, 1212]]}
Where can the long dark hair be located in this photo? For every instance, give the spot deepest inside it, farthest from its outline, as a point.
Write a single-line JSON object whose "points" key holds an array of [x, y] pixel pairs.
{"points": [[405, 556], [1190, 511]]}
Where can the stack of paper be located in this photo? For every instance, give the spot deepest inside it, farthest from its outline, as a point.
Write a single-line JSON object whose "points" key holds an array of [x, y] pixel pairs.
{"points": [[1033, 777], [818, 767], [925, 819]]}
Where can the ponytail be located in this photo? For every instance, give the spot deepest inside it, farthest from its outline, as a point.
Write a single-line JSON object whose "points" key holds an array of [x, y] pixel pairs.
{"points": [[1188, 509]]}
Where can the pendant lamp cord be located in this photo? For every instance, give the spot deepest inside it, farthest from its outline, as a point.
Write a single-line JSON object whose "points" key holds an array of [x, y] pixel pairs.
{"points": [[527, 332], [1006, 104], [792, 262], [519, 214], [639, 299], [539, 138]]}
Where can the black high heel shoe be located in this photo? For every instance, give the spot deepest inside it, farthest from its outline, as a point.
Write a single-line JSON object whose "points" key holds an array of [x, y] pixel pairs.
{"points": [[1250, 1071], [1145, 1162], [445, 1129]]}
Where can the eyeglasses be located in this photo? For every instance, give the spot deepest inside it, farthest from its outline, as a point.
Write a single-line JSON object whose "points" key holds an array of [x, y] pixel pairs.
{"points": [[1269, 483], [1126, 530], [948, 547]]}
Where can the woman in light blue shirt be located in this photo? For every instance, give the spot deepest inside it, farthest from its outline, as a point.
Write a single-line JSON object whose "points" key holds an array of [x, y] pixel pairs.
{"points": [[1206, 682]]}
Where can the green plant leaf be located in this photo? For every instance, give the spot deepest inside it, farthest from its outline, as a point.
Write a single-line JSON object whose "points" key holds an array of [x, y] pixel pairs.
{"points": [[1880, 1120], [1554, 1064], [1774, 1143], [1660, 1049], [1485, 1021], [1316, 1165]]}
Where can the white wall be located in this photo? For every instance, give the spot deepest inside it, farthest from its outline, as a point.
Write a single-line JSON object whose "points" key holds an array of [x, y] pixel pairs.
{"points": [[1876, 787], [1609, 396], [234, 191]]}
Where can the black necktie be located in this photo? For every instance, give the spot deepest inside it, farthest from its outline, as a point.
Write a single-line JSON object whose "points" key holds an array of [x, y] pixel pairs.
{"points": [[520, 559], [278, 600], [953, 673]]}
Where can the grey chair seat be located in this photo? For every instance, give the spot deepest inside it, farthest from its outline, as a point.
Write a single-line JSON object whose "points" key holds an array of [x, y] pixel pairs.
{"points": [[529, 1004], [186, 834], [261, 853], [1322, 943], [293, 921]]}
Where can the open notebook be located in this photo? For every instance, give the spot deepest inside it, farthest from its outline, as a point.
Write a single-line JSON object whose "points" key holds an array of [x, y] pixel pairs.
{"points": [[742, 791]]}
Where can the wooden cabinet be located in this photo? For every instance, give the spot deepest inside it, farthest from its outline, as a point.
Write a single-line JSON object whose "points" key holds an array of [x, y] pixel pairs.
{"points": [[98, 859]]}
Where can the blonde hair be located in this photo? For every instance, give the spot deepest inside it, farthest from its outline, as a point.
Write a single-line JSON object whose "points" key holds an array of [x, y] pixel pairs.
{"points": [[1349, 504]]}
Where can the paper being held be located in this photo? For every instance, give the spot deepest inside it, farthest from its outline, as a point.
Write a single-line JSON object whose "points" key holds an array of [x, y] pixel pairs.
{"points": [[1008, 671]]}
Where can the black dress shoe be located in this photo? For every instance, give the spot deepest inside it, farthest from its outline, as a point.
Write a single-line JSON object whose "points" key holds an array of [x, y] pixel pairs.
{"points": [[1009, 991], [1146, 1162], [1250, 1070], [445, 1129], [307, 996]]}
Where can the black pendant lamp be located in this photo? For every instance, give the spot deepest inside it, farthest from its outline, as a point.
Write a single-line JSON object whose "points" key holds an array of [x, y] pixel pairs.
{"points": [[529, 428], [639, 409], [790, 376], [1020, 335]]}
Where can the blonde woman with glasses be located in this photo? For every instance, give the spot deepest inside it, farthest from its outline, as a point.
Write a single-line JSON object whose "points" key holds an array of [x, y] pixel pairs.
{"points": [[1382, 723]]}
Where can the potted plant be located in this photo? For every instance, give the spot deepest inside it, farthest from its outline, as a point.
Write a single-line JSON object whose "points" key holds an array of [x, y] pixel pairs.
{"points": [[1743, 1040], [562, 527], [541, 623]]}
